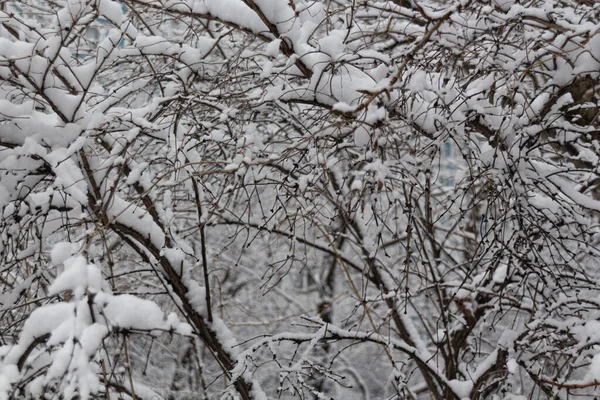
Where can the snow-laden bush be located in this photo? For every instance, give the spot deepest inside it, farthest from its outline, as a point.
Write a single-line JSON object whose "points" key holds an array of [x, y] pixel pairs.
{"points": [[339, 199]]}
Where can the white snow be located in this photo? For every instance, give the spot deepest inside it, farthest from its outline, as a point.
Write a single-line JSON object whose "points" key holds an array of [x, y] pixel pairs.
{"points": [[77, 277], [130, 312], [594, 371], [225, 337], [500, 274], [197, 296], [111, 10], [361, 136]]}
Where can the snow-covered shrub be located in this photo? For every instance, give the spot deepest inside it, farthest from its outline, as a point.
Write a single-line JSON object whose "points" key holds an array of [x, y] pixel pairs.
{"points": [[376, 199]]}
